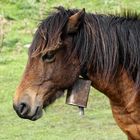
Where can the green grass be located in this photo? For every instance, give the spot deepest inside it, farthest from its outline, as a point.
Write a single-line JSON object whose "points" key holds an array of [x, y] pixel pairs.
{"points": [[23, 16], [60, 121]]}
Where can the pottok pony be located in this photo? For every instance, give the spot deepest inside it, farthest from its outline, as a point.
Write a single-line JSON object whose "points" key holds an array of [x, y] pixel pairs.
{"points": [[102, 48]]}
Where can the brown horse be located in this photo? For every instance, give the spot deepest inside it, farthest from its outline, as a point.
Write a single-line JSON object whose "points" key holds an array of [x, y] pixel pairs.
{"points": [[102, 48]]}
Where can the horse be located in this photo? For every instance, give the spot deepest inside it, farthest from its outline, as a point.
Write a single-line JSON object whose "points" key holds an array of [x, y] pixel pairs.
{"points": [[102, 48]]}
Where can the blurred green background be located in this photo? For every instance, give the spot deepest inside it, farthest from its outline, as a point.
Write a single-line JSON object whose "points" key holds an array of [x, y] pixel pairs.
{"points": [[18, 22]]}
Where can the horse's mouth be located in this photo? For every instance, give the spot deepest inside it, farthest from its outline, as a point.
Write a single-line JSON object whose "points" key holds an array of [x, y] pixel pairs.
{"points": [[37, 115], [27, 115], [25, 110]]}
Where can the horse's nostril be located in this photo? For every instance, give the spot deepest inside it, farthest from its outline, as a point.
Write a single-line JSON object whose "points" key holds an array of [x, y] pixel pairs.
{"points": [[23, 109]]}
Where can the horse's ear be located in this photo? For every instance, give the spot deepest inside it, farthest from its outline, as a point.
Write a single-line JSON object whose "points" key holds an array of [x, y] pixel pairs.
{"points": [[74, 21]]}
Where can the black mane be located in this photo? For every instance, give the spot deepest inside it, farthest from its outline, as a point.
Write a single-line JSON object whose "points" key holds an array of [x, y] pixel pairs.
{"points": [[103, 42]]}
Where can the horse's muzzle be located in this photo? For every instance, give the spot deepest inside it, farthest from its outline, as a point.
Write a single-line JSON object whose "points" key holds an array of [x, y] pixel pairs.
{"points": [[24, 111]]}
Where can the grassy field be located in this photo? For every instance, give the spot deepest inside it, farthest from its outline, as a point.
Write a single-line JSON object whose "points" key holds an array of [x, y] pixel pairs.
{"points": [[18, 21]]}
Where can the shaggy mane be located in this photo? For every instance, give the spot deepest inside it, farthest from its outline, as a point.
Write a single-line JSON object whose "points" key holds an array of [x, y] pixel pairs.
{"points": [[103, 42]]}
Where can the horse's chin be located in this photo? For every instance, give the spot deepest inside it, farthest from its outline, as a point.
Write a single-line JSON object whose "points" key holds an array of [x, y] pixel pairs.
{"points": [[52, 97], [37, 115]]}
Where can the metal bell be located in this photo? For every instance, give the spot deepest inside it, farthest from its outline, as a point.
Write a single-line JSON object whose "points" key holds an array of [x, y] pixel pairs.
{"points": [[78, 94]]}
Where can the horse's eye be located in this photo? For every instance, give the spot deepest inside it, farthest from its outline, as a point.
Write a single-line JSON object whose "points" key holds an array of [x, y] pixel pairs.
{"points": [[48, 57]]}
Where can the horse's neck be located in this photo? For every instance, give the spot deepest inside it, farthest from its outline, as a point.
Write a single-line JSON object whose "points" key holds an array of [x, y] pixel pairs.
{"points": [[120, 90], [124, 99]]}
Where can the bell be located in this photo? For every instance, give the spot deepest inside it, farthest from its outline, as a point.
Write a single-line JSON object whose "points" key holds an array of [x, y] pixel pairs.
{"points": [[78, 94]]}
